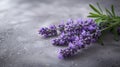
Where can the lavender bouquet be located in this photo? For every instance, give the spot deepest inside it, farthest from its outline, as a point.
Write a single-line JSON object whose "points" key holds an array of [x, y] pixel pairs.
{"points": [[78, 34]]}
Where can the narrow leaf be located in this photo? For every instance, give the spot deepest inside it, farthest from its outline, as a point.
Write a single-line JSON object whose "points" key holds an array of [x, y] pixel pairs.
{"points": [[108, 12], [95, 9], [93, 16], [98, 20], [99, 8], [112, 10]]}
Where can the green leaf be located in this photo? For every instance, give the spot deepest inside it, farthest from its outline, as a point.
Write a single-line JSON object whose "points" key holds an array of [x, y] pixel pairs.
{"points": [[99, 8], [95, 9], [93, 15], [98, 20], [112, 10], [110, 26], [108, 12]]}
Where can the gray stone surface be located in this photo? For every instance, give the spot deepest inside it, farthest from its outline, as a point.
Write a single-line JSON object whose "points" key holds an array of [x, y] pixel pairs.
{"points": [[21, 46]]}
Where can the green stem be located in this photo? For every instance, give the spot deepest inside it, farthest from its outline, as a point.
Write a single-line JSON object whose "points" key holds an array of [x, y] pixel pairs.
{"points": [[115, 24]]}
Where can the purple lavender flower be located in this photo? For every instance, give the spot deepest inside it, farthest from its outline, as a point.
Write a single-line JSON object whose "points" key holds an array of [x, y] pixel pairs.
{"points": [[68, 52], [64, 39], [61, 28], [74, 28], [69, 22], [48, 32], [88, 31], [72, 50], [59, 42]]}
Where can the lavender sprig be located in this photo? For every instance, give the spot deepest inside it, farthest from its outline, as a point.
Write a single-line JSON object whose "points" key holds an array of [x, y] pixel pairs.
{"points": [[78, 34], [48, 32]]}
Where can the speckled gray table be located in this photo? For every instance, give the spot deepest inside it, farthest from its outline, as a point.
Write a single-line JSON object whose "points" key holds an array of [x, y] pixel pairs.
{"points": [[21, 46]]}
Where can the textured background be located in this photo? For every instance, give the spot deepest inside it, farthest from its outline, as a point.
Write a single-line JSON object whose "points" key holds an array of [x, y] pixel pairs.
{"points": [[21, 46]]}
